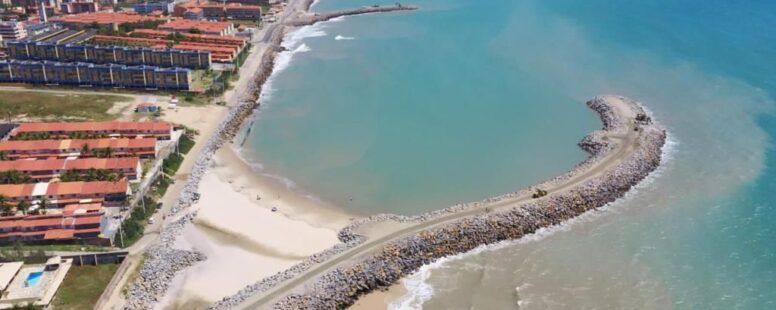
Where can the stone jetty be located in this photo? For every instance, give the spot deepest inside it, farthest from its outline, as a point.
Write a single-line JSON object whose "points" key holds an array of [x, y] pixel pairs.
{"points": [[342, 286], [163, 260], [310, 19]]}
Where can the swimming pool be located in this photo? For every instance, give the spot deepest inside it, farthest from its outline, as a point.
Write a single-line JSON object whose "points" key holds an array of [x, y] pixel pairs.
{"points": [[33, 278]]}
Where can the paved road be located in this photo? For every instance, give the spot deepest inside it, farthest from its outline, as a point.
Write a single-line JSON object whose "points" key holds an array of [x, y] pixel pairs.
{"points": [[625, 146]]}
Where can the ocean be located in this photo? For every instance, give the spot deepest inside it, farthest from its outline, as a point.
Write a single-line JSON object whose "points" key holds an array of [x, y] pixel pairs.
{"points": [[466, 99]]}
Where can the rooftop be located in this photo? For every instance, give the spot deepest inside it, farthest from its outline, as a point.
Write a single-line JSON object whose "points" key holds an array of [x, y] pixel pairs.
{"points": [[63, 188], [76, 144], [7, 272], [204, 26], [104, 18], [93, 126], [81, 208], [67, 164], [193, 36]]}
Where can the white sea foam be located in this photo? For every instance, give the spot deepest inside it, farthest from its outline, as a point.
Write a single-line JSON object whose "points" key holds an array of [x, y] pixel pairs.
{"points": [[339, 38], [293, 43], [419, 290]]}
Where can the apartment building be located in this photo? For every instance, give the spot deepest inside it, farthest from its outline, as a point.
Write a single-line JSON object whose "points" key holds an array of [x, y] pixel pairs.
{"points": [[218, 52], [158, 130], [12, 30], [87, 74], [78, 7], [97, 54], [149, 7], [197, 10], [199, 26], [60, 194], [51, 227], [44, 149], [44, 170]]}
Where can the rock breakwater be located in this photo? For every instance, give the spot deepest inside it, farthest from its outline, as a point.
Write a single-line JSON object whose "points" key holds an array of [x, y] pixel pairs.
{"points": [[342, 286], [320, 17], [163, 260]]}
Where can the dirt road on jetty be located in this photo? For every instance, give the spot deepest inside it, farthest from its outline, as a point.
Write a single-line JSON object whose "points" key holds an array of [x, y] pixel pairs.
{"points": [[312, 18], [159, 261], [379, 250]]}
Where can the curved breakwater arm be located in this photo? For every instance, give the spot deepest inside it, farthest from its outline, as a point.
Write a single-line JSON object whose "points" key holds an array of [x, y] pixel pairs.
{"points": [[309, 19], [623, 153]]}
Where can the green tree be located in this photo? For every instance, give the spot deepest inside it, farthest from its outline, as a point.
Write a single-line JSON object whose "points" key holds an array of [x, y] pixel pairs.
{"points": [[23, 206], [43, 205], [27, 306], [7, 208], [14, 177]]}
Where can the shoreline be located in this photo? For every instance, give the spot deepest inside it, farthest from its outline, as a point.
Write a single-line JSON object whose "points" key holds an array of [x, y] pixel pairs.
{"points": [[242, 237], [163, 262], [605, 176]]}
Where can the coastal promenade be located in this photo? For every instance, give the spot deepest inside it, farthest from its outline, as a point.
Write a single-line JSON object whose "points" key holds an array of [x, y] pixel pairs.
{"points": [[379, 250]]}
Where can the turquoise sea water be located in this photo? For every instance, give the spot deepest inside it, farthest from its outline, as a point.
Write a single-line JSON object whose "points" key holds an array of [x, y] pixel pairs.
{"points": [[465, 99]]}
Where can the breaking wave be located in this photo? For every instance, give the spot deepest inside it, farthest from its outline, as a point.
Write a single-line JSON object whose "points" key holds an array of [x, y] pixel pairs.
{"points": [[293, 45], [419, 290]]}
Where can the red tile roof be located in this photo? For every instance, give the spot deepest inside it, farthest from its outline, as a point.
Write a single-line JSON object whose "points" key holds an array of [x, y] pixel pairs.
{"points": [[81, 208], [93, 126], [193, 36], [204, 26], [87, 188], [104, 18], [58, 234], [68, 164], [80, 189], [87, 220], [69, 145]]}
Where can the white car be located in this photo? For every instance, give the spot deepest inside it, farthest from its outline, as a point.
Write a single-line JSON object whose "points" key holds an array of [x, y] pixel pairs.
{"points": [[151, 221]]}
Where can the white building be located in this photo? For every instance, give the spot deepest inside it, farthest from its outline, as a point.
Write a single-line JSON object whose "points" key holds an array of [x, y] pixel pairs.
{"points": [[12, 30]]}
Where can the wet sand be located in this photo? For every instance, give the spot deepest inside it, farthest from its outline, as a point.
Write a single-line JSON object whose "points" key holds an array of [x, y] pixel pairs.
{"points": [[243, 239], [380, 300]]}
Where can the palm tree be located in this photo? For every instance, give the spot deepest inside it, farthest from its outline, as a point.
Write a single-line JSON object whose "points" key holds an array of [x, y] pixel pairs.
{"points": [[84, 149], [4, 204], [3, 155], [43, 205], [14, 177], [23, 206]]}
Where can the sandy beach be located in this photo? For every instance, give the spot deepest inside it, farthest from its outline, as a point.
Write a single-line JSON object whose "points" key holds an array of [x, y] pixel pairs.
{"points": [[380, 300], [243, 239]]}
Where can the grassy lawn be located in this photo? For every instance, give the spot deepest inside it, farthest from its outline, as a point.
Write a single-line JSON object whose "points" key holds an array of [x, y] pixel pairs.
{"points": [[202, 79], [83, 285], [58, 106], [246, 22], [172, 163], [186, 144]]}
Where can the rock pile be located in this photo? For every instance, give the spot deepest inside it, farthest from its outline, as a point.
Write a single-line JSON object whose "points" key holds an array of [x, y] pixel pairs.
{"points": [[320, 17], [163, 261], [341, 287]]}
